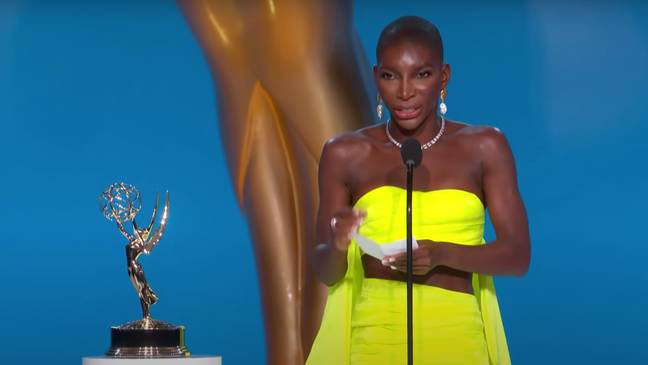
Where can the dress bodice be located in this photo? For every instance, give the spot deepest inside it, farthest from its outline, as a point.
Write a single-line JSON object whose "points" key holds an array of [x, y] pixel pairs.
{"points": [[444, 215]]}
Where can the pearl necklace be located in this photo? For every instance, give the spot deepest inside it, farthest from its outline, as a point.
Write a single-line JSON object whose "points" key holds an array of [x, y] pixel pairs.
{"points": [[423, 147]]}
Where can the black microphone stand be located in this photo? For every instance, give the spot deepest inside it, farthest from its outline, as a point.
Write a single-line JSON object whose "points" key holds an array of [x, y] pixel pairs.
{"points": [[412, 156], [410, 274]]}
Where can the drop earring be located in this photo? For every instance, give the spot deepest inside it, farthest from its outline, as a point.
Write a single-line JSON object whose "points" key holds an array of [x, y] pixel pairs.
{"points": [[443, 108], [379, 108]]}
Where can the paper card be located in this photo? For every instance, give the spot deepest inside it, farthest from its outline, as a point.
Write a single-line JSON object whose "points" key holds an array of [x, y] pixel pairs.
{"points": [[379, 251]]}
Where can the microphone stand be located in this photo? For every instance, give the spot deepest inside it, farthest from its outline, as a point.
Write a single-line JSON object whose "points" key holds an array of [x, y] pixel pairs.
{"points": [[410, 274], [412, 155]]}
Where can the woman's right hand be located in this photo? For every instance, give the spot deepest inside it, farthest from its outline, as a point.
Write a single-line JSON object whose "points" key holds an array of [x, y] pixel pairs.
{"points": [[344, 224]]}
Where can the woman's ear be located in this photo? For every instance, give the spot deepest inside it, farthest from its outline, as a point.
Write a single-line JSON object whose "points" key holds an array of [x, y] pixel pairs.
{"points": [[445, 75]]}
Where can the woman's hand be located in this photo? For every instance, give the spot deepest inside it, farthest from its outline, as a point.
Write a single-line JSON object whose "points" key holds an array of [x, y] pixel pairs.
{"points": [[344, 224], [425, 258]]}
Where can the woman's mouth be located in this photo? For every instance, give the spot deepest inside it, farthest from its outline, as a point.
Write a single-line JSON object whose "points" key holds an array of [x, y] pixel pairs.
{"points": [[407, 113]]}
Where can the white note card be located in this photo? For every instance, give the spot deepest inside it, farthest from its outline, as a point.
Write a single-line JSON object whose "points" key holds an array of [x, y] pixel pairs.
{"points": [[379, 251]]}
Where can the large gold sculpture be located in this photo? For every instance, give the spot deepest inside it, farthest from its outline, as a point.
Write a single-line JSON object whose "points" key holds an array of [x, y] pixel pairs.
{"points": [[289, 75]]}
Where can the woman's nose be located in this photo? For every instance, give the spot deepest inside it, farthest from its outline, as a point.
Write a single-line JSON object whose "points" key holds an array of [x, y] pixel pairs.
{"points": [[405, 90]]}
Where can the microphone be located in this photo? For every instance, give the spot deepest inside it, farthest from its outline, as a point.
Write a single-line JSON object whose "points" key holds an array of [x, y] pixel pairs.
{"points": [[411, 152]]}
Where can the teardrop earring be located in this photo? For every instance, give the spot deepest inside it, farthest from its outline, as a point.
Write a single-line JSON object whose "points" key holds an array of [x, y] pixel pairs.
{"points": [[379, 108], [443, 108]]}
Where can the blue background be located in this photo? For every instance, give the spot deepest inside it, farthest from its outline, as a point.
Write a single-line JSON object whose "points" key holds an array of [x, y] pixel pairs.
{"points": [[95, 92]]}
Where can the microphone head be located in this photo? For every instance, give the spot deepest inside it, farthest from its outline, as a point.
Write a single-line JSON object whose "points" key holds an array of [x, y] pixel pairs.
{"points": [[411, 152]]}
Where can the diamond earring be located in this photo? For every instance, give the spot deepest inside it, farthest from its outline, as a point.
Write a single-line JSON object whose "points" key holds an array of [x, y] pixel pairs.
{"points": [[443, 108], [379, 108]]}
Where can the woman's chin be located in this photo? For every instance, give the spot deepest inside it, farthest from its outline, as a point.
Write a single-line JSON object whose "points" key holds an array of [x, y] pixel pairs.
{"points": [[408, 124]]}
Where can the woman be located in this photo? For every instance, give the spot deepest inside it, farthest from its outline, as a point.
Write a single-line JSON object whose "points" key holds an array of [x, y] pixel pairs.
{"points": [[465, 170]]}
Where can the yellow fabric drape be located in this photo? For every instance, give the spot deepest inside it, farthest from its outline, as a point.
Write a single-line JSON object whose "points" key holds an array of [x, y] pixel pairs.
{"points": [[447, 326]]}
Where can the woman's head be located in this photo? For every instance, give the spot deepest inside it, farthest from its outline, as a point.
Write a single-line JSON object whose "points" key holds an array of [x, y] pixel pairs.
{"points": [[410, 72]]}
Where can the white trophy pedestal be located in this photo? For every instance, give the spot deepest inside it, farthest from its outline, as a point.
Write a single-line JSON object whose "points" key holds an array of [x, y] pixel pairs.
{"points": [[193, 360]]}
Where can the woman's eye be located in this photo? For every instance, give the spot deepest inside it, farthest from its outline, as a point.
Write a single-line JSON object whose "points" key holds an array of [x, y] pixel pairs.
{"points": [[386, 76], [423, 74]]}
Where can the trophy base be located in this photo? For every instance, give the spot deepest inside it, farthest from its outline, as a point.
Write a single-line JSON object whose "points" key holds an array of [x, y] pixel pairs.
{"points": [[147, 338]]}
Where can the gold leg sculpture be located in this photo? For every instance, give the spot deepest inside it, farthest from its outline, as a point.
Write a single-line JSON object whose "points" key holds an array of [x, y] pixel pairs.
{"points": [[289, 75]]}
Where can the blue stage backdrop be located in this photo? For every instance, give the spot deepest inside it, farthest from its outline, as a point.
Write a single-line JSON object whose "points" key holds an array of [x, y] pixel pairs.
{"points": [[93, 92]]}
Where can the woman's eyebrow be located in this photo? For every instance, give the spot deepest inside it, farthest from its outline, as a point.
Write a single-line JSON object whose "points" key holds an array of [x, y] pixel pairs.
{"points": [[426, 64]]}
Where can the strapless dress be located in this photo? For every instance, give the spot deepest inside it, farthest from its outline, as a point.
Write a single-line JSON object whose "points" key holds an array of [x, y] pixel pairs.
{"points": [[364, 321]]}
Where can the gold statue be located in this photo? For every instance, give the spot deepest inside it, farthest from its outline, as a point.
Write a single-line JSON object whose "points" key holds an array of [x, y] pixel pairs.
{"points": [[147, 337], [289, 75]]}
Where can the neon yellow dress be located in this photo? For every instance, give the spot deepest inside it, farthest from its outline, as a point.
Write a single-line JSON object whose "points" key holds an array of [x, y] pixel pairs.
{"points": [[364, 320]]}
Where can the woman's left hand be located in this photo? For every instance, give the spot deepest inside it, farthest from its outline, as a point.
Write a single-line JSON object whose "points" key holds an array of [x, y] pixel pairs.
{"points": [[425, 258]]}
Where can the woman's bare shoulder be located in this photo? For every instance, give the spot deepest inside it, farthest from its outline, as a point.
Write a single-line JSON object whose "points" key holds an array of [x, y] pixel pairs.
{"points": [[487, 142], [355, 144], [478, 134]]}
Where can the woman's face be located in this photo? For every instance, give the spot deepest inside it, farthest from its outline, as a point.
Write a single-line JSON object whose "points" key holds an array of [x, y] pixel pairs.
{"points": [[409, 77]]}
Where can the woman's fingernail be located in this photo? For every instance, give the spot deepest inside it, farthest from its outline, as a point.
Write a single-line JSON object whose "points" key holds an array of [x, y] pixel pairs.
{"points": [[391, 259], [384, 262], [393, 267]]}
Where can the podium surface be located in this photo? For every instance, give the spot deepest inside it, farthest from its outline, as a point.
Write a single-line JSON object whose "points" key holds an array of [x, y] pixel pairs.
{"points": [[193, 360]]}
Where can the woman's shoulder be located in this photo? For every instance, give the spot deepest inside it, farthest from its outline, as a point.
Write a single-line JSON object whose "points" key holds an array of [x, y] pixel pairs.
{"points": [[478, 134], [487, 142], [354, 144]]}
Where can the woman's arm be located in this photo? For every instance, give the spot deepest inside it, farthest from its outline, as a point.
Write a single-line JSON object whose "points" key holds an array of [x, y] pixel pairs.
{"points": [[333, 236], [509, 253]]}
